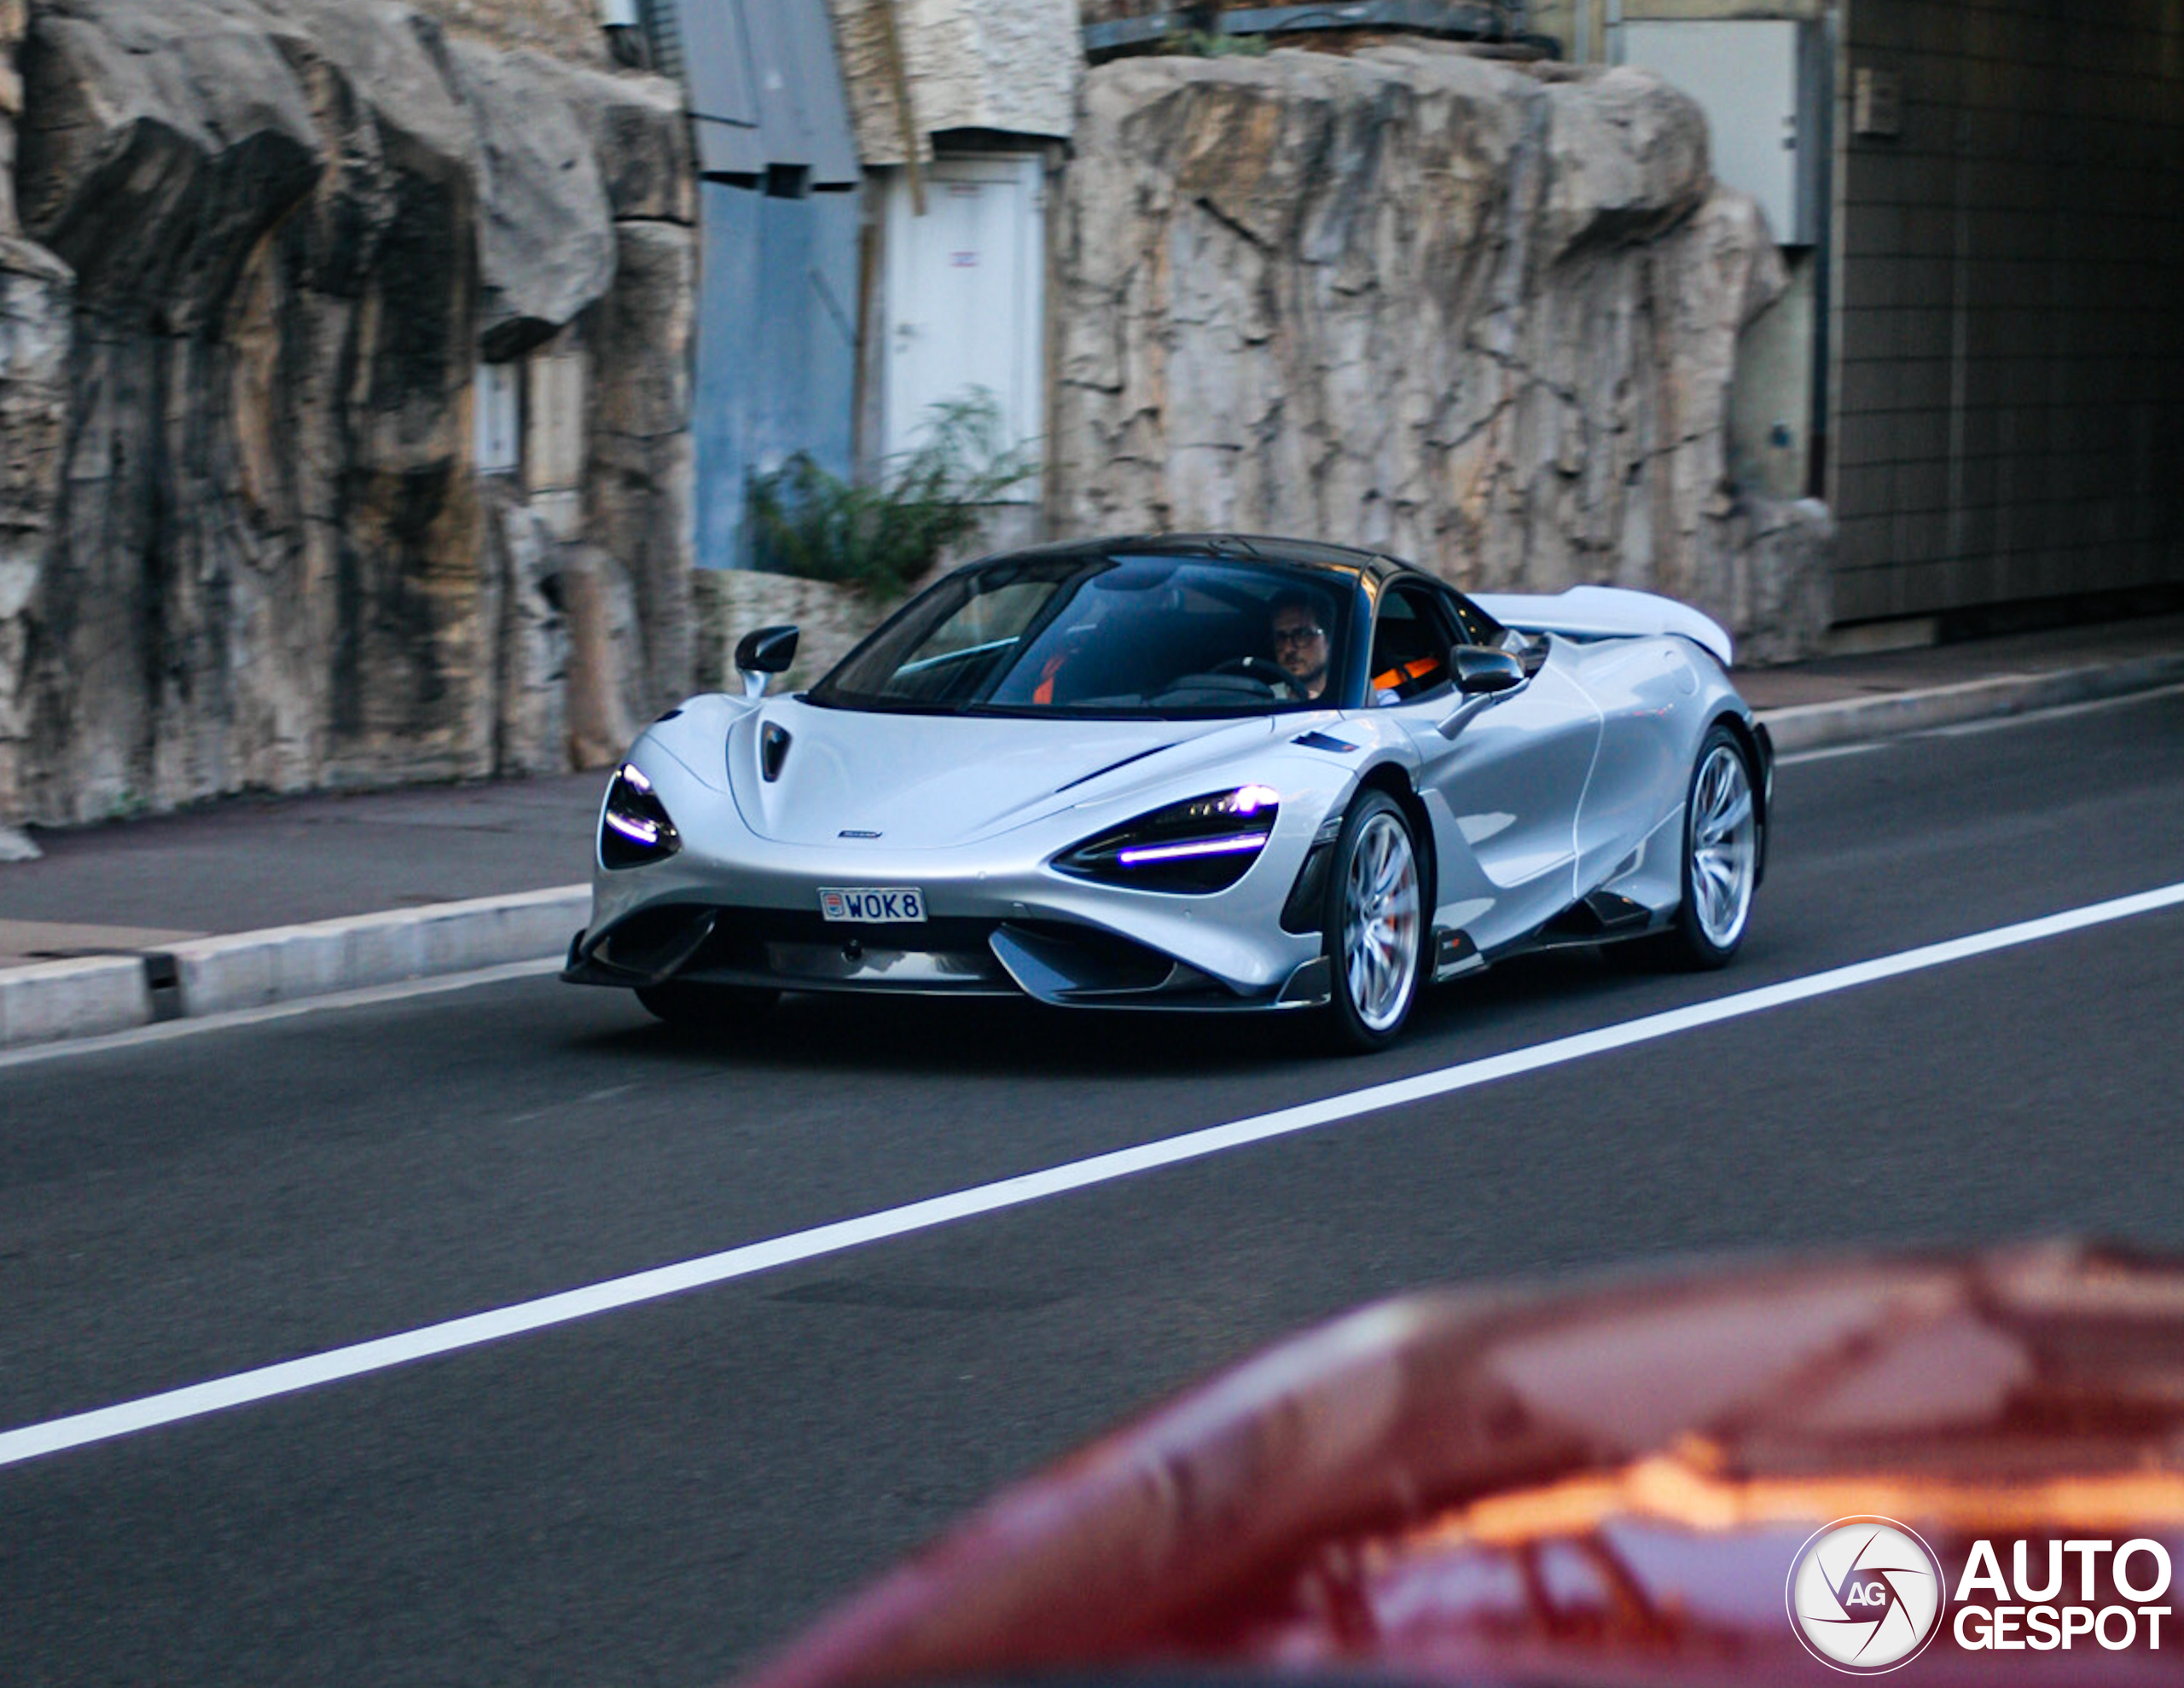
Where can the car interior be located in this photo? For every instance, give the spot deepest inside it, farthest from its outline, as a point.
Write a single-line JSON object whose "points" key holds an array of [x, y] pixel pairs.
{"points": [[1411, 641]]}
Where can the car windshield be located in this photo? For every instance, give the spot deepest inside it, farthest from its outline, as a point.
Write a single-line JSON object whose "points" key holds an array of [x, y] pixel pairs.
{"points": [[1109, 637]]}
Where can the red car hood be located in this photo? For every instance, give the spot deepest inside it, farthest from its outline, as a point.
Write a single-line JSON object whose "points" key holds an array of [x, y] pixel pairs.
{"points": [[1600, 1487]]}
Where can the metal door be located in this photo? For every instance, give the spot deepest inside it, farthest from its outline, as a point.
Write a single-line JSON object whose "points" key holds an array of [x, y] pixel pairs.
{"points": [[1510, 780], [965, 286], [776, 349]]}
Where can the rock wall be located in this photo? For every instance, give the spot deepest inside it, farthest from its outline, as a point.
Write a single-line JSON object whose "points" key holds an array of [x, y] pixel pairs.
{"points": [[1003, 65], [1483, 316], [279, 237], [568, 29], [12, 20], [729, 603]]}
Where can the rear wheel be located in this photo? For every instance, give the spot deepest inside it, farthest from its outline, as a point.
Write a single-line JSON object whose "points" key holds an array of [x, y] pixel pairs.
{"points": [[1721, 857], [1375, 924], [705, 1007]]}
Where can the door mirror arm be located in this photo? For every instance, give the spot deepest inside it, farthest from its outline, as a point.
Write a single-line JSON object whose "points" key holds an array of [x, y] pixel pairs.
{"points": [[1467, 709]]}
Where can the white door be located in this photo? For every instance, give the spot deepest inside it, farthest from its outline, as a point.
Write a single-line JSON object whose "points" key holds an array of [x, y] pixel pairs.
{"points": [[1743, 75], [964, 302]]}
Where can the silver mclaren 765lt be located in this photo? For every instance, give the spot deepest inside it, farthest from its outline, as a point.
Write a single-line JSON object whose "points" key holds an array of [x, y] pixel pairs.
{"points": [[1213, 772]]}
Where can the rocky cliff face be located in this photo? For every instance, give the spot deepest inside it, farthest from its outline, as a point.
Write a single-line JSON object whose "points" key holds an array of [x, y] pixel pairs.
{"points": [[1005, 65], [1481, 316], [279, 238]]}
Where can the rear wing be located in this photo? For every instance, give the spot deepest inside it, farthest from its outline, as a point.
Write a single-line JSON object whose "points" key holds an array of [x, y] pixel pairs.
{"points": [[1605, 612]]}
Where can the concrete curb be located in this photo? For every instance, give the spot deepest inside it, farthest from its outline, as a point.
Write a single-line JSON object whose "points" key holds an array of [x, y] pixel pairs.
{"points": [[72, 999], [58, 1000], [1853, 720], [249, 970], [217, 975]]}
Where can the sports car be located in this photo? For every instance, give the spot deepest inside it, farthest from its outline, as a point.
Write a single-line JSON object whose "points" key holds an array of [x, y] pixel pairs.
{"points": [[1205, 772]]}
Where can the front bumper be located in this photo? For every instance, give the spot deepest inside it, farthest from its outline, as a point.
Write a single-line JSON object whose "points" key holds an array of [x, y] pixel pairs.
{"points": [[1055, 962], [733, 907]]}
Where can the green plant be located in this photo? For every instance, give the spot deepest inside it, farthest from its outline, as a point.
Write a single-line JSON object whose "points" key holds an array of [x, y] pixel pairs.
{"points": [[1201, 43], [880, 537]]}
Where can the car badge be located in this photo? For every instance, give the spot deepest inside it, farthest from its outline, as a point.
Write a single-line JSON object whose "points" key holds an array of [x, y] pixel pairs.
{"points": [[852, 834]]}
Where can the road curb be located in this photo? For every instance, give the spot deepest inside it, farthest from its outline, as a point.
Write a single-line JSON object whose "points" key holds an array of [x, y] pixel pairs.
{"points": [[249, 970], [1851, 720], [78, 998]]}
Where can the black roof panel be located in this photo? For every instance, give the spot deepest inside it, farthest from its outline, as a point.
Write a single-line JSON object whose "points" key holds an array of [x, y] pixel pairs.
{"points": [[1230, 547]]}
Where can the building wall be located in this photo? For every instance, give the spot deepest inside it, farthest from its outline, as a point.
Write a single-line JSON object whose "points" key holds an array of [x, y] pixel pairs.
{"points": [[1771, 396], [2008, 348]]}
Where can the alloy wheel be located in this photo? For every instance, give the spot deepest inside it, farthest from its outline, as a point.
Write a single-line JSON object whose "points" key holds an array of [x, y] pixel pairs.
{"points": [[1724, 846], [1380, 922]]}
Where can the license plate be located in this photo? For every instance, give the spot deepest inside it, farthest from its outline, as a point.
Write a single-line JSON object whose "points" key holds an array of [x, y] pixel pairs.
{"points": [[870, 907]]}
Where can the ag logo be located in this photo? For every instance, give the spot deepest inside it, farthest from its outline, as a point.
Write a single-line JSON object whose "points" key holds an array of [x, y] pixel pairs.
{"points": [[1865, 1595]]}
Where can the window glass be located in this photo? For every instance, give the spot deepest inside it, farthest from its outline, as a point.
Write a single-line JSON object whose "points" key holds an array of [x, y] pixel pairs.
{"points": [[1410, 646], [1135, 635], [1474, 626]]}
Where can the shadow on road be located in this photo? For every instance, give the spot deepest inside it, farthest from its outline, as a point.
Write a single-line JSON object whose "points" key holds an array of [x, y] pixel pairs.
{"points": [[868, 1037]]}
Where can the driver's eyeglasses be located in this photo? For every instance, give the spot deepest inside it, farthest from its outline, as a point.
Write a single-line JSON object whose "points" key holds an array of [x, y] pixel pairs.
{"points": [[1298, 635]]}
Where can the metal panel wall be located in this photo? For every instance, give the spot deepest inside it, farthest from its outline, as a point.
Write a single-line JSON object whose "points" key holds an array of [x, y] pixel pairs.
{"points": [[2009, 349], [777, 348], [764, 90]]}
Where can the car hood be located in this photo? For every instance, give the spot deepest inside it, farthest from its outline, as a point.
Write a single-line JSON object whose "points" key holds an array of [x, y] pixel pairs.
{"points": [[925, 780]]}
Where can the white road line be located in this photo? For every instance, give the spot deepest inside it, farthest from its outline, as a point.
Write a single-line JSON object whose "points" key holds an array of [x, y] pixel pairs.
{"points": [[1994, 723], [104, 1424], [168, 1031], [1864, 747]]}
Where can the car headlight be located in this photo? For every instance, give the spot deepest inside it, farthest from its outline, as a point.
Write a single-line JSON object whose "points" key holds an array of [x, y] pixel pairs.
{"points": [[634, 827], [1205, 845]]}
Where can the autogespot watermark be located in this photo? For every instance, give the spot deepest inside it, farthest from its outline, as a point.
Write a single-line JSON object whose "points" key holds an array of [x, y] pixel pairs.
{"points": [[1868, 1595]]}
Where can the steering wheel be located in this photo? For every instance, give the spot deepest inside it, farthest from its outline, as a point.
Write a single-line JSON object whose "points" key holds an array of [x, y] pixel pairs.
{"points": [[1261, 669]]}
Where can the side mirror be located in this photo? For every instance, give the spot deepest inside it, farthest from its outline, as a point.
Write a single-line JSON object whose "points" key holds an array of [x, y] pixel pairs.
{"points": [[769, 651], [1481, 670]]}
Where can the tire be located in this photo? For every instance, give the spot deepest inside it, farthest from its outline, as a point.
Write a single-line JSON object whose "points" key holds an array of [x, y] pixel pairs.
{"points": [[1721, 858], [707, 1007], [1375, 925]]}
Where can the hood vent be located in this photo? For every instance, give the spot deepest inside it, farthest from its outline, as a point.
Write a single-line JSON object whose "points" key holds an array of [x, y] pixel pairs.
{"points": [[773, 750]]}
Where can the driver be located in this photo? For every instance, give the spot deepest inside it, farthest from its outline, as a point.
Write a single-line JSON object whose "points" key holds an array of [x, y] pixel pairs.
{"points": [[1299, 636]]}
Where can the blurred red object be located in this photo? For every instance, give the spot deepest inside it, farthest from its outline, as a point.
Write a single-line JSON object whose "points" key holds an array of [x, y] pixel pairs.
{"points": [[1598, 1484]]}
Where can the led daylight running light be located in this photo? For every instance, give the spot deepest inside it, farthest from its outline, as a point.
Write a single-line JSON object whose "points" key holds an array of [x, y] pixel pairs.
{"points": [[640, 831], [1196, 847], [1131, 858], [633, 826]]}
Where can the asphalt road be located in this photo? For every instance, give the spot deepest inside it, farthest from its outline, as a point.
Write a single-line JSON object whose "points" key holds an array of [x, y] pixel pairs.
{"points": [[651, 1494]]}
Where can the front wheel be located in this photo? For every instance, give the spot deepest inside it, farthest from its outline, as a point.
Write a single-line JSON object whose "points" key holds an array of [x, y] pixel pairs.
{"points": [[705, 1007], [1721, 857], [1375, 924]]}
